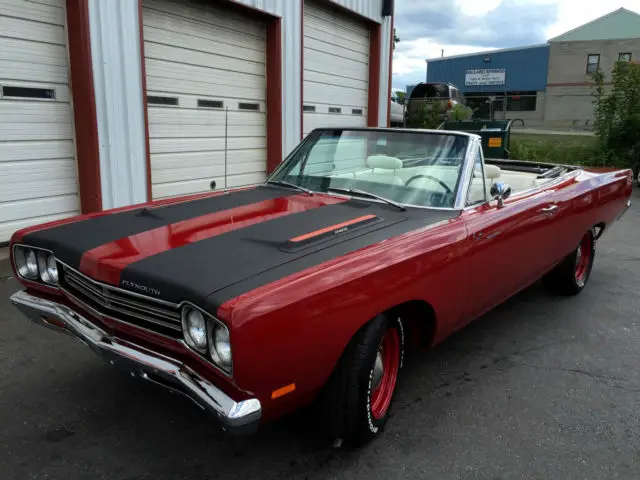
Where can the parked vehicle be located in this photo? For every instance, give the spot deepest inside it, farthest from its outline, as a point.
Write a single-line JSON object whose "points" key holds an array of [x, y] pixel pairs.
{"points": [[636, 172], [396, 107], [308, 288], [425, 95]]}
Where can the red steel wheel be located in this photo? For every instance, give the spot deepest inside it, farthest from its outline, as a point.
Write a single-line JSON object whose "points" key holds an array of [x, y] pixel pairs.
{"points": [[583, 258], [357, 400], [570, 276], [385, 373]]}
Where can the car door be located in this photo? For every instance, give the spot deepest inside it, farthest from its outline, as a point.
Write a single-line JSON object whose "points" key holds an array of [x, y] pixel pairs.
{"points": [[506, 245], [561, 212]]}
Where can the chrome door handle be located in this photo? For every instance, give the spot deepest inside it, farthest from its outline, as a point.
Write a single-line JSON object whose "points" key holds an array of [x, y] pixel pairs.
{"points": [[549, 209]]}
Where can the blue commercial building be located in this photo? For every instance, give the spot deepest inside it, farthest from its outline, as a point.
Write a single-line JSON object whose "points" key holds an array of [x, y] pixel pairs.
{"points": [[508, 83]]}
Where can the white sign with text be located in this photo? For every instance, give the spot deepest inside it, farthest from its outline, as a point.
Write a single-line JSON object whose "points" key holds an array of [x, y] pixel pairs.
{"points": [[486, 76]]}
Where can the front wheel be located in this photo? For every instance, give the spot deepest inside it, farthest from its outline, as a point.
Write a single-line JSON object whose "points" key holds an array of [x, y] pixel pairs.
{"points": [[571, 275], [356, 401]]}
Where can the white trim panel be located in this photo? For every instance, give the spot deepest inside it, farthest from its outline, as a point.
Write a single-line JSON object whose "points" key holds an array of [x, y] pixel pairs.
{"points": [[115, 52], [386, 51]]}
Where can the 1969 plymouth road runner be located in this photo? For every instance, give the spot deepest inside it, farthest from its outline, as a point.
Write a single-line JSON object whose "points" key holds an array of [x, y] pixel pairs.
{"points": [[306, 289]]}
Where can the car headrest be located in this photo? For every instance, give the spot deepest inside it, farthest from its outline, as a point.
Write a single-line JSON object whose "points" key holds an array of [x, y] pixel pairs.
{"points": [[383, 161], [492, 171]]}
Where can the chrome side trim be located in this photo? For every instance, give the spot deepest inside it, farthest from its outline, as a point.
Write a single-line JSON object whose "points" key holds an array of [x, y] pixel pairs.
{"points": [[236, 417], [626, 208]]}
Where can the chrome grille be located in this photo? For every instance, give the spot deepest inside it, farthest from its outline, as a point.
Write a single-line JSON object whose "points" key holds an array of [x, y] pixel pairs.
{"points": [[139, 310]]}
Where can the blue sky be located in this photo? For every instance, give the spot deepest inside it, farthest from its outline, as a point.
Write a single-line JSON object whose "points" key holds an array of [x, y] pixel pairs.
{"points": [[425, 27]]}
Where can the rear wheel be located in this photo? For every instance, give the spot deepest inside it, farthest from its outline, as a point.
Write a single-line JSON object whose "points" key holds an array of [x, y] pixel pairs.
{"points": [[356, 401], [571, 275]]}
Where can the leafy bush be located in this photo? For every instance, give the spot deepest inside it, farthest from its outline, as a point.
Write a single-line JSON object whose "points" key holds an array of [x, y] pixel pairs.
{"points": [[460, 112], [428, 115], [617, 116]]}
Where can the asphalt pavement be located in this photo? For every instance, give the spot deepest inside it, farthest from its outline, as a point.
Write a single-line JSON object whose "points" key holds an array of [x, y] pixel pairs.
{"points": [[540, 388]]}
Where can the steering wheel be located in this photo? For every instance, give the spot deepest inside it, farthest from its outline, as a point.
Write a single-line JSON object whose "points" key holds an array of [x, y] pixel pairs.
{"points": [[416, 177]]}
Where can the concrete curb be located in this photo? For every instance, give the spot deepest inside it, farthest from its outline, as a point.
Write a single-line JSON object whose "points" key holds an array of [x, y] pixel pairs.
{"points": [[5, 264]]}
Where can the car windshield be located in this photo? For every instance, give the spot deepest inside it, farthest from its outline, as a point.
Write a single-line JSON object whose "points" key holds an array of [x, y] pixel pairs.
{"points": [[409, 168]]}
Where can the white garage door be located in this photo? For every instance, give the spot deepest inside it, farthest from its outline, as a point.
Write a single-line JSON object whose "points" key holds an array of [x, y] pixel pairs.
{"points": [[336, 69], [38, 180], [206, 87]]}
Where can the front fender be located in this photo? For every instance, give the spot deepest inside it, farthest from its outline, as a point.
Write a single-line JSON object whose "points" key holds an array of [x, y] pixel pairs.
{"points": [[294, 331]]}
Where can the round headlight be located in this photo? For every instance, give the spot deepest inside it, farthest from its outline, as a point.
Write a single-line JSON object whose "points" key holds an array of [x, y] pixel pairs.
{"points": [[52, 268], [20, 261], [220, 348], [195, 330], [47, 267], [31, 264]]}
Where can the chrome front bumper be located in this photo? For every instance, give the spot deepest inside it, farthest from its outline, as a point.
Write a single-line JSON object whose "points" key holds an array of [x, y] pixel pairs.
{"points": [[236, 417]]}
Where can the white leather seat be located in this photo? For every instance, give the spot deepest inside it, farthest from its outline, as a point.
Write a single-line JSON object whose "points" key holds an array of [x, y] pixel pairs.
{"points": [[383, 170], [492, 172], [518, 181]]}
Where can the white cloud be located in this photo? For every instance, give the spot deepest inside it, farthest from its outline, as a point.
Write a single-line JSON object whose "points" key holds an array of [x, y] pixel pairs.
{"points": [[409, 58]]}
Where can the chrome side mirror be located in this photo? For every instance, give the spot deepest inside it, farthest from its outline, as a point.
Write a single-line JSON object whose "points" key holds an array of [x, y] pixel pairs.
{"points": [[500, 191]]}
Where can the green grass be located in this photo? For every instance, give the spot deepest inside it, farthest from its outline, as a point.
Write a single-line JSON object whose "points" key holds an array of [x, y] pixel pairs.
{"points": [[565, 149]]}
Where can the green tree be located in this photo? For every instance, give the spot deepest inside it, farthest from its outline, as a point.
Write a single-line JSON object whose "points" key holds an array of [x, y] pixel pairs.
{"points": [[396, 39], [617, 116], [460, 112]]}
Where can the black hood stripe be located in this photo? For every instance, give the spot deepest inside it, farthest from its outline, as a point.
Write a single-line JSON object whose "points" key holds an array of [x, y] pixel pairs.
{"points": [[237, 261], [70, 241]]}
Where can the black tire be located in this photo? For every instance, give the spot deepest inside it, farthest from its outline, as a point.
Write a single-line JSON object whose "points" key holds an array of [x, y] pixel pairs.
{"points": [[570, 276], [346, 401]]}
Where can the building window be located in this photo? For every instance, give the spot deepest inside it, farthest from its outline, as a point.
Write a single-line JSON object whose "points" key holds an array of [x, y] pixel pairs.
{"points": [[593, 62], [29, 92], [204, 103], [249, 106], [486, 104], [158, 100], [521, 101], [624, 57]]}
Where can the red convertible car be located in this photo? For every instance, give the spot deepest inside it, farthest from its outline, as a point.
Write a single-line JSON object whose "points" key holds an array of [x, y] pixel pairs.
{"points": [[308, 288]]}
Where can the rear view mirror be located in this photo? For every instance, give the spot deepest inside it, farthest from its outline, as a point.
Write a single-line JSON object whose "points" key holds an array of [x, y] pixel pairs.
{"points": [[500, 191]]}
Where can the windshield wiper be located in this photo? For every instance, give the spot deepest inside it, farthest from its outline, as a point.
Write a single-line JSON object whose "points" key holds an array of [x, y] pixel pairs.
{"points": [[362, 193], [290, 185]]}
